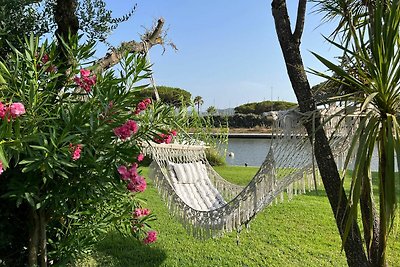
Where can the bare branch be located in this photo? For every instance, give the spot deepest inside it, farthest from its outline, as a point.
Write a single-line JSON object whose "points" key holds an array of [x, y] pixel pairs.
{"points": [[301, 12], [149, 40], [282, 21]]}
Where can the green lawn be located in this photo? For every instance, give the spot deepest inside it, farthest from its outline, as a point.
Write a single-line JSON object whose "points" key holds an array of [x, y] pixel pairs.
{"points": [[301, 232]]}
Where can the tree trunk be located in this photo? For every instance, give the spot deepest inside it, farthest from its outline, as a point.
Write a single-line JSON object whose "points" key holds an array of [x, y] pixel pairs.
{"points": [[33, 238], [382, 190], [290, 45], [67, 26], [43, 238], [370, 222], [65, 18]]}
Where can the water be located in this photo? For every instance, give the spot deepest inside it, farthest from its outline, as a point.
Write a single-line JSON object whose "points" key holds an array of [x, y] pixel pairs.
{"points": [[254, 151], [247, 150]]}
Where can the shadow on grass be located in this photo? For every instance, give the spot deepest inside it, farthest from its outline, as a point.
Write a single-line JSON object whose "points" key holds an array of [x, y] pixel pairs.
{"points": [[117, 250], [320, 192]]}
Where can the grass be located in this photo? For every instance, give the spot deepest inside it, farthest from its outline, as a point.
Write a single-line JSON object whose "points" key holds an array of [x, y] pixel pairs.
{"points": [[301, 232]]}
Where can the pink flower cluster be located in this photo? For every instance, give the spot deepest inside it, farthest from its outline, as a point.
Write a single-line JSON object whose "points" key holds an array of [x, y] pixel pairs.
{"points": [[76, 151], [151, 237], [142, 105], [140, 157], [136, 183], [165, 138], [11, 111], [86, 81], [44, 60], [1, 167], [126, 130], [141, 212]]}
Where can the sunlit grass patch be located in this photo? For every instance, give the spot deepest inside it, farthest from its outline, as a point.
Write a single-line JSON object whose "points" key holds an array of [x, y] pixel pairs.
{"points": [[301, 232]]}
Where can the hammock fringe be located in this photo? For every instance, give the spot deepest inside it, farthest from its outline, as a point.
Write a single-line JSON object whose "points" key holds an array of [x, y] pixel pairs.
{"points": [[286, 172]]}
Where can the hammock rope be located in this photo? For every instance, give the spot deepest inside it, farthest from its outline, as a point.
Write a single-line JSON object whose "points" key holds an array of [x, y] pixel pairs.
{"points": [[208, 205]]}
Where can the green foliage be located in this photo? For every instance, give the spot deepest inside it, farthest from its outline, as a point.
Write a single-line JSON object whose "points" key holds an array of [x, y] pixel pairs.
{"points": [[96, 21], [214, 157], [17, 18], [374, 76], [77, 198], [169, 95], [211, 110], [242, 121], [191, 128], [198, 101], [264, 106], [22, 17]]}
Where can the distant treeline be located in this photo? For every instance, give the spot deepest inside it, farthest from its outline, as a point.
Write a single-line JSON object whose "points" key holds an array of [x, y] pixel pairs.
{"points": [[168, 95], [264, 106], [242, 121]]}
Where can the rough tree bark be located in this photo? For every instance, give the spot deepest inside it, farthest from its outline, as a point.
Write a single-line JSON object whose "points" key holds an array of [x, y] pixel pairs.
{"points": [[371, 223], [151, 39], [290, 46], [33, 249], [65, 18]]}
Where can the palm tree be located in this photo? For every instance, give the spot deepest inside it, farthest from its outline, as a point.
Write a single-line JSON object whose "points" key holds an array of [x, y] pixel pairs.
{"points": [[198, 101], [211, 110], [373, 73]]}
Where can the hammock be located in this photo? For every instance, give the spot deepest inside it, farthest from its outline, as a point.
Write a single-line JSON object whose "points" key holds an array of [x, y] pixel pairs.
{"points": [[207, 205]]}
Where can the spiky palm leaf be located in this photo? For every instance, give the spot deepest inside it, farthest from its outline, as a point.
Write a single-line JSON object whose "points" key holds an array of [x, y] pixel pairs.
{"points": [[375, 79]]}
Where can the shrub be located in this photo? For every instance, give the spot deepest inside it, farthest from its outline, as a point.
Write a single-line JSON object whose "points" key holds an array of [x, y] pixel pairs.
{"points": [[214, 157], [65, 141]]}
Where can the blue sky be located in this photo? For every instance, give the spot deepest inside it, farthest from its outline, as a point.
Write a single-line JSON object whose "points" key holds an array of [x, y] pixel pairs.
{"points": [[228, 50]]}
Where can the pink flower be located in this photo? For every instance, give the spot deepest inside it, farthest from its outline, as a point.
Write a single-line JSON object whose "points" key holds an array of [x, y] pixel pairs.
{"points": [[131, 187], [123, 171], [85, 73], [126, 130], [168, 139], [145, 212], [141, 186], [45, 58], [17, 109], [133, 170], [137, 184], [141, 212], [132, 126], [142, 105], [1, 167], [165, 138], [51, 68], [77, 80], [140, 157], [77, 152], [151, 237], [85, 81], [3, 110], [122, 132]]}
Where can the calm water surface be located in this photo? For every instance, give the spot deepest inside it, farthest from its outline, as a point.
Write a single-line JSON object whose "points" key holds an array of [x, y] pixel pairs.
{"points": [[246, 150], [254, 151]]}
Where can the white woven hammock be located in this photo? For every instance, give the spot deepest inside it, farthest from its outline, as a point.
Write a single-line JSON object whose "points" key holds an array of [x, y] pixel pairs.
{"points": [[208, 205]]}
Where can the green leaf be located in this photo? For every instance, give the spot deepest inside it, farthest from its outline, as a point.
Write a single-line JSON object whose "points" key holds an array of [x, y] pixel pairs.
{"points": [[27, 161], [3, 158], [368, 100], [39, 148]]}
